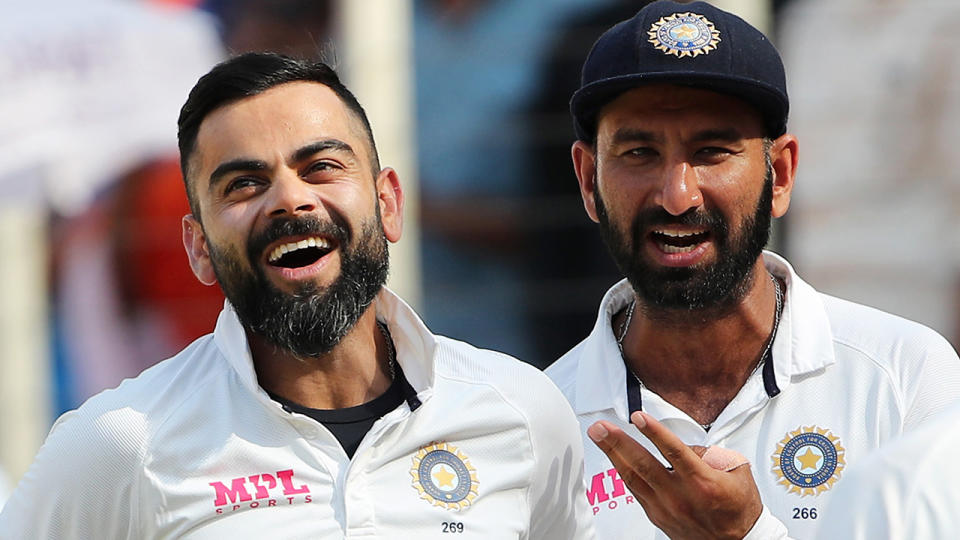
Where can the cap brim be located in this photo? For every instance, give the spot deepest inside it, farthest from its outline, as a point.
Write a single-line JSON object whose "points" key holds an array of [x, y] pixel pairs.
{"points": [[588, 100]]}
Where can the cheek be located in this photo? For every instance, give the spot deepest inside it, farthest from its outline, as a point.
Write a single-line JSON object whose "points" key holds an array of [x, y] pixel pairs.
{"points": [[358, 198], [620, 187], [235, 219], [620, 211], [350, 205], [731, 193], [225, 250], [229, 236]]}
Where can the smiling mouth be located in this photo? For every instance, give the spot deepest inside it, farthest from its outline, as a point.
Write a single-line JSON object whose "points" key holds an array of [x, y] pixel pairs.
{"points": [[301, 253], [677, 241]]}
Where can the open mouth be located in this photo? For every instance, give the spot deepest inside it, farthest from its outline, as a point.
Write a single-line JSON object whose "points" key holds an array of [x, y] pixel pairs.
{"points": [[301, 253], [677, 241]]}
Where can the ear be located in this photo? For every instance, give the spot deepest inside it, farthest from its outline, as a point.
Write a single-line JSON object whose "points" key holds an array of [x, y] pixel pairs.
{"points": [[390, 199], [195, 244], [585, 166], [783, 156]]}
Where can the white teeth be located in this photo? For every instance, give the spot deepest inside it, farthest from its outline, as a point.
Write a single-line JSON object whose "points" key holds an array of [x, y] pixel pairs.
{"points": [[283, 249], [679, 234], [675, 249]]}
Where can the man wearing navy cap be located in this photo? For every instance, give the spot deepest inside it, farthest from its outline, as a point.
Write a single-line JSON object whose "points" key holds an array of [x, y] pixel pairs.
{"points": [[712, 343]]}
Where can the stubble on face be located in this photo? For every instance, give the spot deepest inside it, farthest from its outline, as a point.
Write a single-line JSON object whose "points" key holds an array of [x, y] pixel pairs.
{"points": [[310, 321], [711, 289]]}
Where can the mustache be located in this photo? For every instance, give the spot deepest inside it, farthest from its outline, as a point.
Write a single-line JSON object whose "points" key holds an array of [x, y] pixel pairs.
{"points": [[695, 217], [283, 227]]}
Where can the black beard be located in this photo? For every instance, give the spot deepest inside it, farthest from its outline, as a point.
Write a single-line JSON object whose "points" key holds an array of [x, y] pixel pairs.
{"points": [[716, 287], [312, 320]]}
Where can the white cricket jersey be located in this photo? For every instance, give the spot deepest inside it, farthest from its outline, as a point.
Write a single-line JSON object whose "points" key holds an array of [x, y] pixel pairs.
{"points": [[906, 490], [484, 447], [844, 379]]}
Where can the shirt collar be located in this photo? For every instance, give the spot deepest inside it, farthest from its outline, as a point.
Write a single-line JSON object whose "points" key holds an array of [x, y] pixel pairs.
{"points": [[231, 339], [412, 340], [601, 376], [804, 341], [415, 344], [803, 344]]}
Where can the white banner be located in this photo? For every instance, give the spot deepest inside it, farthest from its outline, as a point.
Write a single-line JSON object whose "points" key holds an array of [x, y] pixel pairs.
{"points": [[89, 88]]}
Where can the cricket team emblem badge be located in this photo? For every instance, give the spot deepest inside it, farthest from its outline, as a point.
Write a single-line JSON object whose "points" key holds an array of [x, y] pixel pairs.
{"points": [[443, 476], [808, 461], [684, 34]]}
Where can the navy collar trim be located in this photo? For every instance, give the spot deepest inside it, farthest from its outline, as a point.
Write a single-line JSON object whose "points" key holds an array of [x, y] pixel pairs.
{"points": [[635, 403]]}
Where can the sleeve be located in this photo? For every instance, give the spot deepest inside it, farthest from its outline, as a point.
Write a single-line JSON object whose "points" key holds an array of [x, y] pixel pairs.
{"points": [[767, 527], [930, 378], [558, 506], [81, 483]]}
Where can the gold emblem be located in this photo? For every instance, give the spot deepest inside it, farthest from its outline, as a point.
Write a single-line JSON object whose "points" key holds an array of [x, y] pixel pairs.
{"points": [[808, 461], [684, 34], [443, 476]]}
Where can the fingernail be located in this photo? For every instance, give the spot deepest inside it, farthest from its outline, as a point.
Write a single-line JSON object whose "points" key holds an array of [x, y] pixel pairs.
{"points": [[638, 419], [597, 432]]}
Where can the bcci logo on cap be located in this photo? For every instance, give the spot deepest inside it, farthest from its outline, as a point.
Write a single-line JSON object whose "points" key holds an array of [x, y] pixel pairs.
{"points": [[808, 461], [443, 476], [684, 34]]}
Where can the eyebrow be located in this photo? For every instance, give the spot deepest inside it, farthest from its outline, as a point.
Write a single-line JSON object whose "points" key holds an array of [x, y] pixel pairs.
{"points": [[319, 146], [724, 134], [625, 135], [302, 153], [234, 165]]}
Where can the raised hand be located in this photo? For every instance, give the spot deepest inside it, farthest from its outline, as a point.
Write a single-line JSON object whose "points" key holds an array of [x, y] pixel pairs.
{"points": [[713, 496]]}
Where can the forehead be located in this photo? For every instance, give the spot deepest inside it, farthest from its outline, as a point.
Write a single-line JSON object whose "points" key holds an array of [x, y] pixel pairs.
{"points": [[275, 123], [663, 106]]}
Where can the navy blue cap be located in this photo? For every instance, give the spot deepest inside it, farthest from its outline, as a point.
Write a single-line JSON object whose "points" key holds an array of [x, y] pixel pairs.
{"points": [[693, 44]]}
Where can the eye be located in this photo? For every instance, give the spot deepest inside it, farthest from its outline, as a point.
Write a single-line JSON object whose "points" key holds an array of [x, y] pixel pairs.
{"points": [[713, 153], [641, 152], [709, 150], [241, 183], [321, 166]]}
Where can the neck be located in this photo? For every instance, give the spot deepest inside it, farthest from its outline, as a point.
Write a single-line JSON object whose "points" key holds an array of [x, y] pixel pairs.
{"points": [[699, 362], [356, 371]]}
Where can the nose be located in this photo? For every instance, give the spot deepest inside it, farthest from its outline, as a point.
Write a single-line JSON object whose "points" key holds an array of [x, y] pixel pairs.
{"points": [[680, 190], [289, 194]]}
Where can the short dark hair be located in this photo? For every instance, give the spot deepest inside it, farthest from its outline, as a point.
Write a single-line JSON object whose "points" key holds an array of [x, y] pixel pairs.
{"points": [[247, 75]]}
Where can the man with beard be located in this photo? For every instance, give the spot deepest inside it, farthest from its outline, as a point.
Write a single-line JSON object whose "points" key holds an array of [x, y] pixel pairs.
{"points": [[320, 406], [751, 390]]}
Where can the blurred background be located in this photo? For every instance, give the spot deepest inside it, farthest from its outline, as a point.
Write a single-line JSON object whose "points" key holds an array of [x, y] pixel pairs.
{"points": [[468, 101]]}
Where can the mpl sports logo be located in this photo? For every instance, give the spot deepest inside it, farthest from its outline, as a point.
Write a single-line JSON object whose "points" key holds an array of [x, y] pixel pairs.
{"points": [[264, 489], [607, 492]]}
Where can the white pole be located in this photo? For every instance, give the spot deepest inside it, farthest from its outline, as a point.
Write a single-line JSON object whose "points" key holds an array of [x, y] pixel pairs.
{"points": [[376, 62], [759, 13], [25, 406]]}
